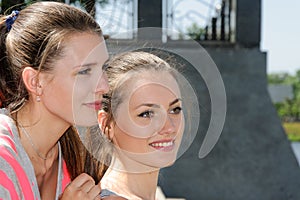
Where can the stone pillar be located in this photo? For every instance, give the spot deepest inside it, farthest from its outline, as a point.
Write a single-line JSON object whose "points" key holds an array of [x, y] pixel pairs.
{"points": [[149, 15], [248, 23]]}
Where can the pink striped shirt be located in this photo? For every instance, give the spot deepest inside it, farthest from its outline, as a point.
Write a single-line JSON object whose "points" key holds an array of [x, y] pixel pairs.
{"points": [[17, 177]]}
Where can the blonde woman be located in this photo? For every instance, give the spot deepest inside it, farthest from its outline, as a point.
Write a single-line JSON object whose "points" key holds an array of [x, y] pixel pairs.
{"points": [[142, 117]]}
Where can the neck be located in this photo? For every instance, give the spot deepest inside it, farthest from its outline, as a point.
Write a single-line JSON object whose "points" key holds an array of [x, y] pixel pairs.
{"points": [[131, 185], [40, 138], [43, 128]]}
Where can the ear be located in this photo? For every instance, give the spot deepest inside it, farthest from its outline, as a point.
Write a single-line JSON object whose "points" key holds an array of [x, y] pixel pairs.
{"points": [[102, 119], [31, 81], [105, 128]]}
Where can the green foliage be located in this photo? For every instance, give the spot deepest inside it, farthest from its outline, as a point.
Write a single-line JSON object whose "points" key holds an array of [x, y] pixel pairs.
{"points": [[281, 78], [288, 110], [196, 32], [292, 130]]}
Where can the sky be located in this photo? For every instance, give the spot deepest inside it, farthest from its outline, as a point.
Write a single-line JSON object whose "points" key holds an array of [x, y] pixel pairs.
{"points": [[280, 36]]}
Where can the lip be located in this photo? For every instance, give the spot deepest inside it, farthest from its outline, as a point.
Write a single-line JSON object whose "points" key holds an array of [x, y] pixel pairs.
{"points": [[163, 145], [96, 105]]}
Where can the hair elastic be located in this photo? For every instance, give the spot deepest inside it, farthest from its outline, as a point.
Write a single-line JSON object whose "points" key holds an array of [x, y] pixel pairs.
{"points": [[11, 19]]}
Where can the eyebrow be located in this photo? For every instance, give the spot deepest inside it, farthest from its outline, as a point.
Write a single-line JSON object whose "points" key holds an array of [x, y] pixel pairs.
{"points": [[149, 105], [157, 106], [175, 101], [86, 65]]}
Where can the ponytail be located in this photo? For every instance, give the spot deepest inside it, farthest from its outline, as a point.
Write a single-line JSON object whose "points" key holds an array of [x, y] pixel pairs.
{"points": [[7, 83]]}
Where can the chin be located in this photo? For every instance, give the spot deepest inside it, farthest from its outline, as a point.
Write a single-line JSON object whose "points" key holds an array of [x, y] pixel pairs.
{"points": [[163, 162]]}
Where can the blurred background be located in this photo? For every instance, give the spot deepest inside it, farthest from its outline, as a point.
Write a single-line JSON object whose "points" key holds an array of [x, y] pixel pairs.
{"points": [[255, 45]]}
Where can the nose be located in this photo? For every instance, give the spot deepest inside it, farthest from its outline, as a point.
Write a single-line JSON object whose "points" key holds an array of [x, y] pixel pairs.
{"points": [[102, 86], [169, 127]]}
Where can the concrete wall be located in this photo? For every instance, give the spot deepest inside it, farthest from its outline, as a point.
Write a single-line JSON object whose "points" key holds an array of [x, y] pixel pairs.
{"points": [[253, 159]]}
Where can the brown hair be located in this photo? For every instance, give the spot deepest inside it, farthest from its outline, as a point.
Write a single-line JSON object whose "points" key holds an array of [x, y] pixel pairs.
{"points": [[36, 40]]}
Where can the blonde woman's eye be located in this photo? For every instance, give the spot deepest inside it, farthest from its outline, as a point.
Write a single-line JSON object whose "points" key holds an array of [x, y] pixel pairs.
{"points": [[176, 110], [146, 114], [84, 71]]}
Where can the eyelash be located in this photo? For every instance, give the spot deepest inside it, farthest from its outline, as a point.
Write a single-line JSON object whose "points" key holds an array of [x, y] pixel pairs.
{"points": [[149, 114], [84, 71], [176, 110], [146, 114]]}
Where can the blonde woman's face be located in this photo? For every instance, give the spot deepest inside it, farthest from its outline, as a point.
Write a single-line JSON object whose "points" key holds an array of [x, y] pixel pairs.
{"points": [[73, 92], [149, 121]]}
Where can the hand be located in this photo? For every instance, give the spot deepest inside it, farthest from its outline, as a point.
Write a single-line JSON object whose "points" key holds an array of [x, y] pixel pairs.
{"points": [[83, 188], [114, 198]]}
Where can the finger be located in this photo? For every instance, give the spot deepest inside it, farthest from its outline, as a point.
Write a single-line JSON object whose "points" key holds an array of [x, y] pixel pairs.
{"points": [[87, 186], [95, 191], [80, 180], [98, 197]]}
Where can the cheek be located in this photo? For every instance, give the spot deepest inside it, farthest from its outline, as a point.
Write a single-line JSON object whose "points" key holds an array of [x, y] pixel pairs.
{"points": [[57, 98], [180, 125], [80, 89], [131, 144]]}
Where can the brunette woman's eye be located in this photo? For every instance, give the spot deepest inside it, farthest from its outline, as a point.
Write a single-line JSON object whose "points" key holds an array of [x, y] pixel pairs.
{"points": [[84, 71], [146, 114], [176, 110]]}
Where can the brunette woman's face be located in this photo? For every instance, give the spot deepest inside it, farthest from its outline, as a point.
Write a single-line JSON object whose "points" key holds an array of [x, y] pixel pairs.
{"points": [[149, 121], [73, 91]]}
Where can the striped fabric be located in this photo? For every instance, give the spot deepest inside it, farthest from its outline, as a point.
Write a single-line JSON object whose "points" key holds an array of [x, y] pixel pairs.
{"points": [[17, 178]]}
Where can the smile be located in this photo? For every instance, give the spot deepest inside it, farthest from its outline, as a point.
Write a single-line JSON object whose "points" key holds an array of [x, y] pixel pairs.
{"points": [[163, 145]]}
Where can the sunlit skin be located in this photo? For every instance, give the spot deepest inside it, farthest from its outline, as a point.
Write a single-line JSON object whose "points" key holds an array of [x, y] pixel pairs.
{"points": [[69, 94], [74, 91], [146, 132], [151, 126]]}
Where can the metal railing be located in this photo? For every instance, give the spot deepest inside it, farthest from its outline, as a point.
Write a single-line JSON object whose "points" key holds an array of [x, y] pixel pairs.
{"points": [[206, 20]]}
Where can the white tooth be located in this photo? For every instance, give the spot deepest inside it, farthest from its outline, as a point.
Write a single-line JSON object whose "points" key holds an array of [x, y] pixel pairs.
{"points": [[162, 144]]}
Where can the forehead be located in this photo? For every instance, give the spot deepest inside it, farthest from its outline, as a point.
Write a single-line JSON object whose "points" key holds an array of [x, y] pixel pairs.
{"points": [[81, 49], [149, 85], [83, 46]]}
